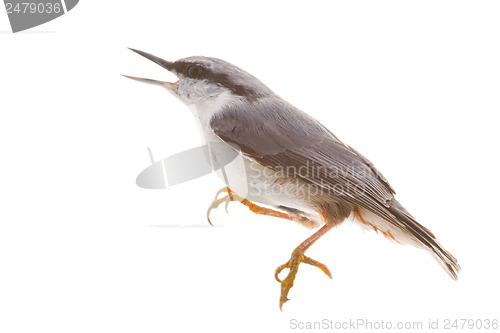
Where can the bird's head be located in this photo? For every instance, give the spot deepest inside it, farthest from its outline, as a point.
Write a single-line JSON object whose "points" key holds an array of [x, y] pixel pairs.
{"points": [[203, 79]]}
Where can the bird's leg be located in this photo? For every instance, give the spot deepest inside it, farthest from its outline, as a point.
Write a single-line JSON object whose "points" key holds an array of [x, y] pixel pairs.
{"points": [[297, 258], [231, 196], [265, 211]]}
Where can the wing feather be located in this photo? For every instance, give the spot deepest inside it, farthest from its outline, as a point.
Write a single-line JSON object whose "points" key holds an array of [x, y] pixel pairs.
{"points": [[282, 137]]}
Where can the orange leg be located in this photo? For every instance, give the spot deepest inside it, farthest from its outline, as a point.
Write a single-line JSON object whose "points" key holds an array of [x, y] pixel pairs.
{"points": [[265, 211], [297, 256], [231, 196], [295, 260]]}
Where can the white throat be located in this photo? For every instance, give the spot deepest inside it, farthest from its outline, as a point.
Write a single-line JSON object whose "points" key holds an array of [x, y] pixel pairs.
{"points": [[204, 109]]}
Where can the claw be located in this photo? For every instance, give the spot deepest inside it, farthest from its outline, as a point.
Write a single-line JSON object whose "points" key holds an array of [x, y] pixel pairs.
{"points": [[231, 196], [283, 300], [222, 190], [228, 200], [293, 265], [214, 205]]}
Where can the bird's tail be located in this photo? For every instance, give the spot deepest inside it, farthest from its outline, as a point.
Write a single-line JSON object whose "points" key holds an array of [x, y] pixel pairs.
{"points": [[425, 237], [399, 226]]}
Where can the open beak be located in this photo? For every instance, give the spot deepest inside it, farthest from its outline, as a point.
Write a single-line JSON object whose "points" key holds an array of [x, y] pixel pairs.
{"points": [[163, 63]]}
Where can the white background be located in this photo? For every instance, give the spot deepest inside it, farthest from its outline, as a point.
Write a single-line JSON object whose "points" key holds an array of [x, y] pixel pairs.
{"points": [[414, 86]]}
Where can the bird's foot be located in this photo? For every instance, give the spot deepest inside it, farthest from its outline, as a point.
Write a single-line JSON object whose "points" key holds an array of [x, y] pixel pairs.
{"points": [[293, 264], [227, 198], [231, 196]]}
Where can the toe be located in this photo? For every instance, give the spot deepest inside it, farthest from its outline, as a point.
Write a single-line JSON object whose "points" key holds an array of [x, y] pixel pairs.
{"points": [[278, 271], [316, 263]]}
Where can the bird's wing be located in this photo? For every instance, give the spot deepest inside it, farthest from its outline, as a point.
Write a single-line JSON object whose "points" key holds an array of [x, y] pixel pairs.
{"points": [[284, 138]]}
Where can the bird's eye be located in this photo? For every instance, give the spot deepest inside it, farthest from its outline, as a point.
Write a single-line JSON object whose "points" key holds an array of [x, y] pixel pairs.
{"points": [[194, 71]]}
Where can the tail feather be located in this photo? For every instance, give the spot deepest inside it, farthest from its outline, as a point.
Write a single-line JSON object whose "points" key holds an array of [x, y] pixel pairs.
{"points": [[425, 237]]}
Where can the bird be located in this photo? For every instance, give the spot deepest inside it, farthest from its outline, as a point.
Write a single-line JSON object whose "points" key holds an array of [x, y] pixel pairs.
{"points": [[295, 168]]}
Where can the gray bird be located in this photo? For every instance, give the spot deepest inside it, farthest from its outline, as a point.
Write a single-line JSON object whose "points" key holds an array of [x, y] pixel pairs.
{"points": [[294, 167]]}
